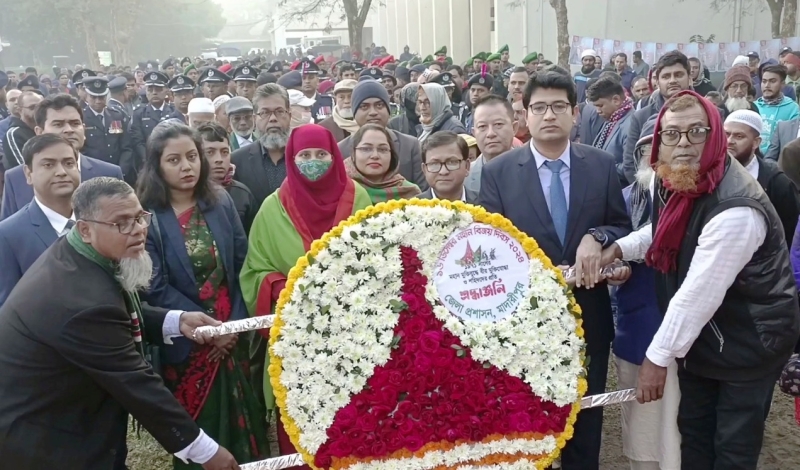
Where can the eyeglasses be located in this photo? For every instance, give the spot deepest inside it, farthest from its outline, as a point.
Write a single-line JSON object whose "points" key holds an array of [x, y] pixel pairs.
{"points": [[671, 137], [370, 150], [126, 227], [559, 107], [241, 117], [436, 167], [266, 113]]}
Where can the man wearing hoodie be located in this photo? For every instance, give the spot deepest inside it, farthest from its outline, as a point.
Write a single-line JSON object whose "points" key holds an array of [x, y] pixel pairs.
{"points": [[588, 71], [626, 74], [700, 83], [773, 106]]}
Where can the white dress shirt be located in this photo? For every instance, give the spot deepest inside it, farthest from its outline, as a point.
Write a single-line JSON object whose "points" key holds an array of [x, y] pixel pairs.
{"points": [[545, 174], [57, 221], [752, 167], [242, 141], [463, 194], [726, 244]]}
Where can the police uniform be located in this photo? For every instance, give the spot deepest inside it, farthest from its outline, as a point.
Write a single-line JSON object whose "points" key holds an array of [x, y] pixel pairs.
{"points": [[323, 104], [246, 73], [212, 75], [276, 68], [118, 85], [371, 72], [177, 84], [143, 121], [107, 137]]}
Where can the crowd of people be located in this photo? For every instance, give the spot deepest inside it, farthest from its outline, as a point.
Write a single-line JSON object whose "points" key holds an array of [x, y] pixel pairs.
{"points": [[150, 200]]}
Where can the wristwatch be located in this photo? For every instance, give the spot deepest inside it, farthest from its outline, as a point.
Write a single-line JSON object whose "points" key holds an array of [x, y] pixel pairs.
{"points": [[599, 236]]}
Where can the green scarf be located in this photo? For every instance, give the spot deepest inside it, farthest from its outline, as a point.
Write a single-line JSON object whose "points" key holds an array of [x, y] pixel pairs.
{"points": [[132, 302]]}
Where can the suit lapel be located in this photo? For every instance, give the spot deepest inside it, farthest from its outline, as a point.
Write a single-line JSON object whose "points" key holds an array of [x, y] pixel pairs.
{"points": [[173, 239], [87, 169], [578, 180], [529, 178], [42, 227]]}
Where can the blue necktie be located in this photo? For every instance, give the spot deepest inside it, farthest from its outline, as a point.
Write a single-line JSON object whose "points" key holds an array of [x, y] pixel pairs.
{"points": [[558, 200]]}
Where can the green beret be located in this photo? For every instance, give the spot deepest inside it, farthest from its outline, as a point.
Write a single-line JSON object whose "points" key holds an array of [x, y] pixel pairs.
{"points": [[495, 56], [443, 50], [448, 61], [483, 56], [188, 68], [530, 58], [469, 62], [403, 64], [428, 63], [503, 49], [428, 58], [413, 62]]}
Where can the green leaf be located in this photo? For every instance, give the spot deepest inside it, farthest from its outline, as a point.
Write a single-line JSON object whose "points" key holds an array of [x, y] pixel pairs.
{"points": [[461, 353], [456, 347], [534, 303], [309, 328], [587, 361], [395, 342], [353, 235], [311, 260], [397, 305], [325, 309], [486, 365]]}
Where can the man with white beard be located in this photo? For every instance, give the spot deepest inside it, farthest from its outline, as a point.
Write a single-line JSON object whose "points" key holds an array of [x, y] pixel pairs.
{"points": [[341, 123], [260, 166], [242, 122], [738, 85], [74, 360]]}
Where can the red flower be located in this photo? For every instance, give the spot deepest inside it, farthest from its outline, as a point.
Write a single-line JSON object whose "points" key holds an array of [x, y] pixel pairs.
{"points": [[207, 291], [430, 341]]}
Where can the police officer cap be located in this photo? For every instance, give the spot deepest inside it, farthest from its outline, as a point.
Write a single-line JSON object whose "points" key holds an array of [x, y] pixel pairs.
{"points": [[29, 80], [180, 83], [245, 72], [80, 75], [155, 79], [309, 67], [291, 80], [444, 79], [168, 63], [96, 86], [117, 84], [276, 66], [213, 75], [372, 72], [3, 79], [357, 66]]}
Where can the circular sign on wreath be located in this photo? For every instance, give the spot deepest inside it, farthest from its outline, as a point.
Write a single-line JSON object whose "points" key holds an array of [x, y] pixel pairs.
{"points": [[427, 335]]}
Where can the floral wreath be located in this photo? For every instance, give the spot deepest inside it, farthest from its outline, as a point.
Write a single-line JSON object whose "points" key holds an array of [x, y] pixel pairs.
{"points": [[372, 371]]}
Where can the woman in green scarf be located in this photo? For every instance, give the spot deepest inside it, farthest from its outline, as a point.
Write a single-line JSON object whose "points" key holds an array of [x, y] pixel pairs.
{"points": [[374, 163], [315, 196]]}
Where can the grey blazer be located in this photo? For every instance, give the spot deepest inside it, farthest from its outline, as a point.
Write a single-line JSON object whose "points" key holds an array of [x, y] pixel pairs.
{"points": [[615, 143], [471, 196], [407, 149], [473, 181], [785, 133]]}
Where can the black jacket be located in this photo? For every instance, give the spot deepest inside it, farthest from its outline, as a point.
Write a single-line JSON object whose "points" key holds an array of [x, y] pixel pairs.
{"points": [[754, 331], [18, 133], [108, 141], [782, 194], [71, 373], [143, 121], [245, 203]]}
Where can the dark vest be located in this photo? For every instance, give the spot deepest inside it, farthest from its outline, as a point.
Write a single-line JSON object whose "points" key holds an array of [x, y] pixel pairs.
{"points": [[755, 329]]}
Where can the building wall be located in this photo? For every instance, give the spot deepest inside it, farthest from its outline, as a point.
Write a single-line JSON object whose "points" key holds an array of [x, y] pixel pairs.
{"points": [[533, 28]]}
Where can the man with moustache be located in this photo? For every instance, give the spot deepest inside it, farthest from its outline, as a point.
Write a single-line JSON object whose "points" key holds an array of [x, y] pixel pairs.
{"points": [[743, 130], [672, 73], [20, 129], [92, 343], [341, 123], [260, 166], [724, 285], [242, 122]]}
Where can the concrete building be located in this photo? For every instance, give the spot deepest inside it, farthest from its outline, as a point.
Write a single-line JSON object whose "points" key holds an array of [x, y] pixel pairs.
{"points": [[467, 27]]}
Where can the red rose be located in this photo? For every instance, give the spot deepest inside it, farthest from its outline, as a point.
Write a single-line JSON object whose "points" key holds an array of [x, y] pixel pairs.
{"points": [[513, 402], [514, 384], [406, 427], [395, 378], [414, 443], [445, 358], [378, 449], [347, 416], [422, 363], [520, 422], [408, 409], [430, 341], [403, 363], [340, 448], [334, 432], [452, 435], [444, 409], [367, 422], [414, 328]]}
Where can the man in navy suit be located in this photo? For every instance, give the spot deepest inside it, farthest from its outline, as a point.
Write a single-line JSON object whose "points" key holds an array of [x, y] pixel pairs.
{"points": [[51, 167], [568, 197], [58, 114]]}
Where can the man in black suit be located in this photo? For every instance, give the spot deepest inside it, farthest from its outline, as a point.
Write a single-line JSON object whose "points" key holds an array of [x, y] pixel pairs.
{"points": [[445, 162], [73, 361], [106, 128], [568, 197], [144, 120]]}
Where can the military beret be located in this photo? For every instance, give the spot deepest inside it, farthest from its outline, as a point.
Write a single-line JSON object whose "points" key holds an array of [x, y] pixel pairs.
{"points": [[291, 80], [484, 80], [428, 58], [530, 58], [503, 49], [442, 51], [189, 68], [419, 68], [493, 57]]}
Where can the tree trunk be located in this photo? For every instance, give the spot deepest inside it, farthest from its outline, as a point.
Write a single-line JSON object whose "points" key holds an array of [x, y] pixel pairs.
{"points": [[356, 32], [356, 17], [789, 18], [775, 9], [562, 31]]}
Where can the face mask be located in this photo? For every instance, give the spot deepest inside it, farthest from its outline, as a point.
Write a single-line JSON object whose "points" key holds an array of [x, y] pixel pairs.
{"points": [[313, 169], [303, 119]]}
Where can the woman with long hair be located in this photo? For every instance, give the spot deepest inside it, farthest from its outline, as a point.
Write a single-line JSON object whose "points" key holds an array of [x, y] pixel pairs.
{"points": [[315, 196], [198, 247], [373, 164]]}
